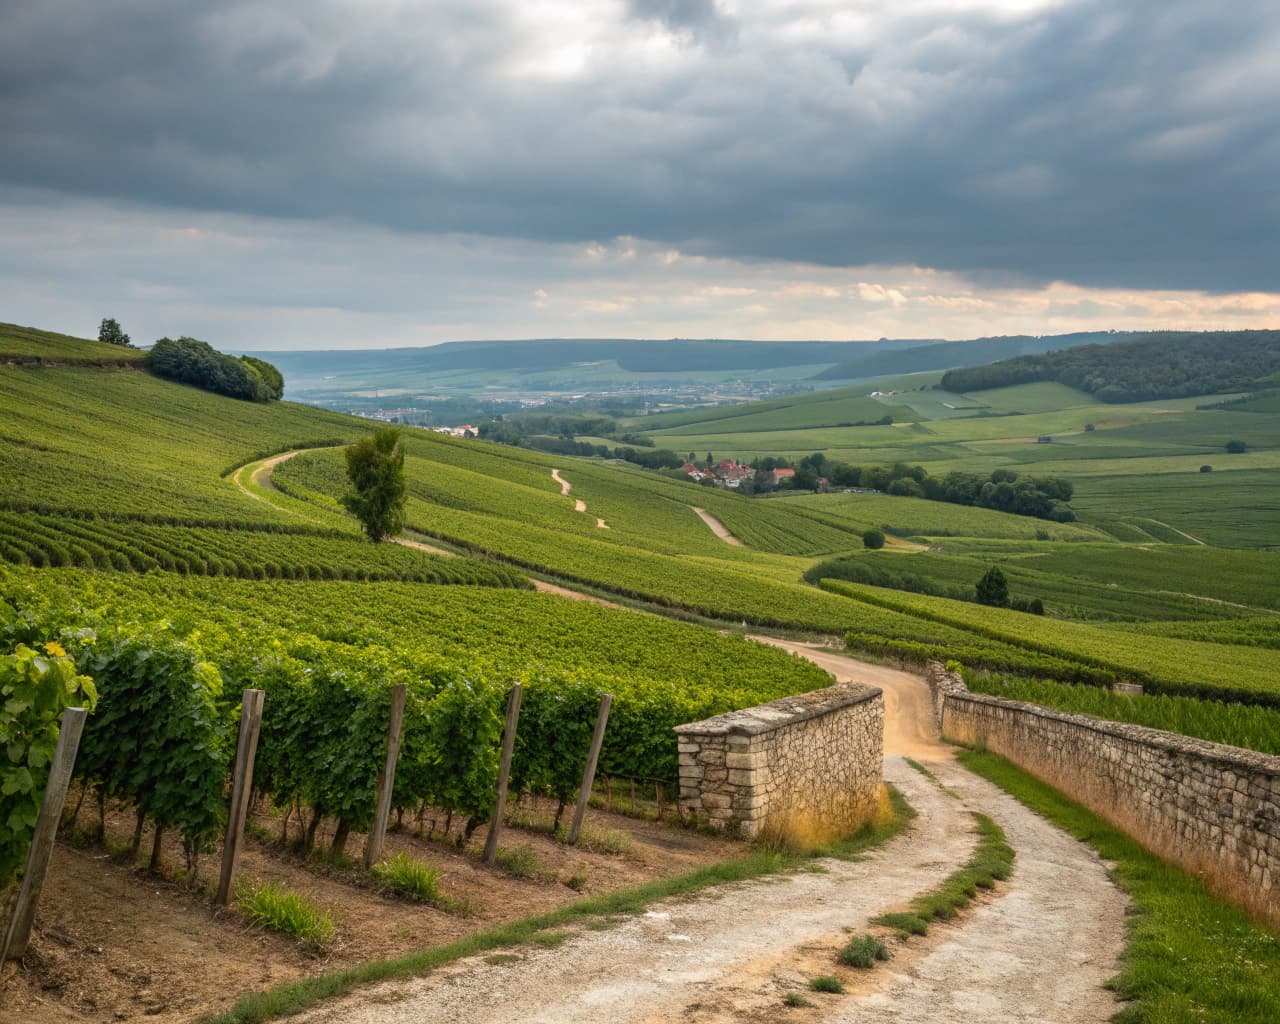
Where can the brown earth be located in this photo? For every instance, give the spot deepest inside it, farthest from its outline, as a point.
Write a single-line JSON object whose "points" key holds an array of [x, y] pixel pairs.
{"points": [[113, 942]]}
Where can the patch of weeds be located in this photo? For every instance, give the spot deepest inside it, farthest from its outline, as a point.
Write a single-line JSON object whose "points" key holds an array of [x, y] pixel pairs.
{"points": [[500, 959], [548, 940], [814, 868], [863, 951], [795, 999], [599, 925], [577, 882], [599, 840], [282, 911], [521, 861], [904, 923], [826, 983], [411, 878]]}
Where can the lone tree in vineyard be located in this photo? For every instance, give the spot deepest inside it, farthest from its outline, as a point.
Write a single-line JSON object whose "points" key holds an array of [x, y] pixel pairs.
{"points": [[109, 332], [993, 588], [375, 467]]}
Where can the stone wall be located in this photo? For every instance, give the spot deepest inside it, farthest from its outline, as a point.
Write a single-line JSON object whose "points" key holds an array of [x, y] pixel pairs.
{"points": [[807, 768], [1211, 809]]}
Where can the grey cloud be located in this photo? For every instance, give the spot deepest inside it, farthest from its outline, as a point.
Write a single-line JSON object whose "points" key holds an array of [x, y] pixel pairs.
{"points": [[1132, 145]]}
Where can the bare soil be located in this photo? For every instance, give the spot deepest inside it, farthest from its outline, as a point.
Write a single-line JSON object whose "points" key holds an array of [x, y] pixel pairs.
{"points": [[114, 942]]}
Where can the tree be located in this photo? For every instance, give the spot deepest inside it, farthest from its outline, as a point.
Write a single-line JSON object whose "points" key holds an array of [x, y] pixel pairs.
{"points": [[873, 539], [109, 332], [1235, 447], [375, 467], [993, 588]]}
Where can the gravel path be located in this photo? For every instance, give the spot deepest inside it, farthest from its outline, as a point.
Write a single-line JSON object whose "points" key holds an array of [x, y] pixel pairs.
{"points": [[1039, 950]]}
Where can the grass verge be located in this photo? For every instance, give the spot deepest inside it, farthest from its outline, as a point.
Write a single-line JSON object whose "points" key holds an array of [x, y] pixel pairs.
{"points": [[1190, 957], [295, 996], [990, 862]]}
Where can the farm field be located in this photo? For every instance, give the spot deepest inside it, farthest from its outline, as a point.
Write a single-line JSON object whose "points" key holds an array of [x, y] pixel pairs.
{"points": [[145, 524]]}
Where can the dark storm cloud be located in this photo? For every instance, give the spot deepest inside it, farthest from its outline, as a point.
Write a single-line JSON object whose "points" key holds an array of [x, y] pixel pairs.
{"points": [[1131, 145]]}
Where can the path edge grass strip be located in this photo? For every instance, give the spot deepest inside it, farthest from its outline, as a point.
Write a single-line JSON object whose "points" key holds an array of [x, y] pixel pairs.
{"points": [[295, 996], [991, 861], [1188, 955]]}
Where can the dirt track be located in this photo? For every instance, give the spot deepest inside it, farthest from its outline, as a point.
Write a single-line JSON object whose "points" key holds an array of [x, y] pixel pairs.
{"points": [[1039, 949], [717, 527]]}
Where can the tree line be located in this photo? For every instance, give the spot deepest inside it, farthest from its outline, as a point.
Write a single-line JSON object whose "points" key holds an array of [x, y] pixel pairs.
{"points": [[1155, 366]]}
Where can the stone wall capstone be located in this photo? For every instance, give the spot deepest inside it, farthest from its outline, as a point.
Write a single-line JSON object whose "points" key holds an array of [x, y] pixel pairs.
{"points": [[808, 767], [1212, 809]]}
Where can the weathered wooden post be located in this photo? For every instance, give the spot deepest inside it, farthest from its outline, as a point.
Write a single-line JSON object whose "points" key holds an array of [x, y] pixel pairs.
{"points": [[504, 771], [241, 786], [589, 772], [40, 852], [386, 779]]}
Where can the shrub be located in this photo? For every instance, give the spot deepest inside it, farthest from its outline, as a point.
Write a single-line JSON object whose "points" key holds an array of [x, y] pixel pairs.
{"points": [[1206, 469], [873, 539], [1235, 446], [863, 951], [826, 983], [993, 588]]}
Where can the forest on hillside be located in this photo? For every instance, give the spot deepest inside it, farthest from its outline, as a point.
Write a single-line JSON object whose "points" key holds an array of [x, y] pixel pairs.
{"points": [[1156, 366]]}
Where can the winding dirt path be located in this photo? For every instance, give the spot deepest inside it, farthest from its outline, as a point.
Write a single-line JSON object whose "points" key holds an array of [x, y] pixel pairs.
{"points": [[717, 527], [259, 474], [565, 486], [1039, 949], [909, 727]]}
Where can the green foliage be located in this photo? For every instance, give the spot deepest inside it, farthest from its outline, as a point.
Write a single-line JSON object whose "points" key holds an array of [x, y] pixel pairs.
{"points": [[862, 951], [197, 363], [1236, 447], [1156, 365], [826, 983], [993, 588], [795, 999], [375, 467], [161, 736], [276, 908], [873, 539], [36, 685], [109, 333], [410, 878]]}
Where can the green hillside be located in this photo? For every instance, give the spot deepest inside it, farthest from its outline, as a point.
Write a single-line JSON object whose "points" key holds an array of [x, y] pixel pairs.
{"points": [[29, 345], [130, 477]]}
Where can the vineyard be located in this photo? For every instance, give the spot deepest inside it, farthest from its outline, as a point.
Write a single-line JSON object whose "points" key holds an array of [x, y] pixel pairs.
{"points": [[169, 671]]}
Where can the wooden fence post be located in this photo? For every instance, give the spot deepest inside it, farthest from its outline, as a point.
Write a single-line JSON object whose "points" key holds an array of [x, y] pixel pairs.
{"points": [[504, 770], [386, 779], [589, 772], [241, 786], [39, 854]]}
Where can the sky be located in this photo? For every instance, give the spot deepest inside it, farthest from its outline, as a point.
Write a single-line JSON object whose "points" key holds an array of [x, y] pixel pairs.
{"points": [[382, 173]]}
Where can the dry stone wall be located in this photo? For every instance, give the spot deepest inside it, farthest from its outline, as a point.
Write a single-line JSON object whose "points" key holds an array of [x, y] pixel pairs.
{"points": [[807, 768], [1211, 809]]}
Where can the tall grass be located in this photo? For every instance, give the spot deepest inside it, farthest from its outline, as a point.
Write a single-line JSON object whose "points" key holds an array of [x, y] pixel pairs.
{"points": [[272, 907]]}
